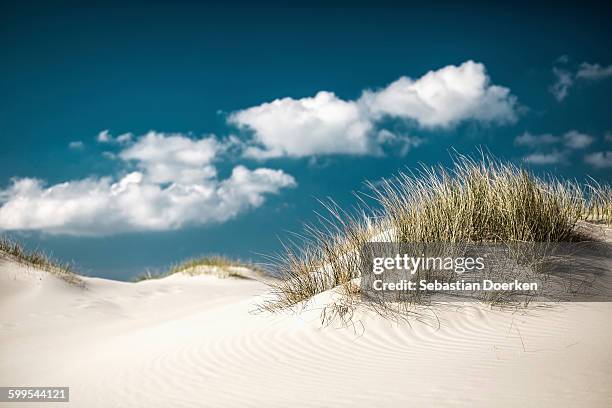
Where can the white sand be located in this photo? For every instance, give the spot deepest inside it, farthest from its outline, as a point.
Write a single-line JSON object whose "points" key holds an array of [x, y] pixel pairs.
{"points": [[192, 342]]}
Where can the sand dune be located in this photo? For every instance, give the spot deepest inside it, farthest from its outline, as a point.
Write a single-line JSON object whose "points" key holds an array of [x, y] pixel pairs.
{"points": [[194, 341]]}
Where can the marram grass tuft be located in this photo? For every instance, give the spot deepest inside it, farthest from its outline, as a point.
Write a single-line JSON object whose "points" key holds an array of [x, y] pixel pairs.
{"points": [[474, 201]]}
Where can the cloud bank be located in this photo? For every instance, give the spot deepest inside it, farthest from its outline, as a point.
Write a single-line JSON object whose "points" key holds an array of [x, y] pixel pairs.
{"points": [[327, 124], [168, 181], [175, 184]]}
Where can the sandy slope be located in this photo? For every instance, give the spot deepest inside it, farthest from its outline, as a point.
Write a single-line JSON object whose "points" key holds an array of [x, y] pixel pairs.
{"points": [[192, 342]]}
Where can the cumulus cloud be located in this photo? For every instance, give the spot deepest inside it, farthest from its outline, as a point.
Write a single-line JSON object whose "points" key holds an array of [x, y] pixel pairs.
{"points": [[165, 158], [444, 98], [599, 160], [327, 124], [175, 185], [594, 71], [323, 124]]}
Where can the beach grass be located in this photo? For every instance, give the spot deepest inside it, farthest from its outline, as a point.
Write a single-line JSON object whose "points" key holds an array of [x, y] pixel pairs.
{"points": [[12, 250], [480, 200], [216, 265], [599, 203]]}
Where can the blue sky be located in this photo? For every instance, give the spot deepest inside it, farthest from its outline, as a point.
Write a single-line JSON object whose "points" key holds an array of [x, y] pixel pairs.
{"points": [[138, 134]]}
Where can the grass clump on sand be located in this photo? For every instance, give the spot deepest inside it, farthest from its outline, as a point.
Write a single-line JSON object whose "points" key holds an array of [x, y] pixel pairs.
{"points": [[215, 265], [599, 205], [12, 250], [474, 201]]}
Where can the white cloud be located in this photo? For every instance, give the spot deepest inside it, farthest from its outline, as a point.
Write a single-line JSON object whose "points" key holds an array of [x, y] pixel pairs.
{"points": [[593, 71], [560, 88], [170, 190], [246, 187], [565, 77], [167, 158], [326, 124], [104, 136], [532, 141], [444, 98], [544, 158], [572, 139], [569, 142], [76, 145], [599, 159], [576, 140], [124, 138], [401, 144]]}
